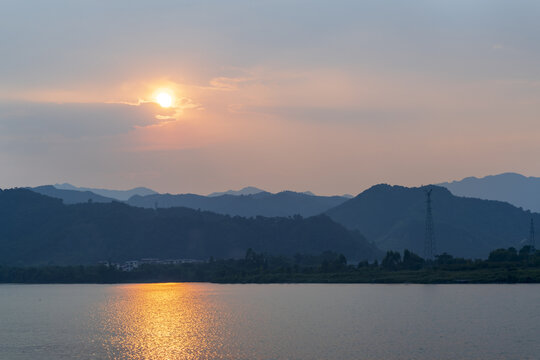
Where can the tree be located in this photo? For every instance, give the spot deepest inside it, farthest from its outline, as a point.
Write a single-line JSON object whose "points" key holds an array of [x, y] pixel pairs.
{"points": [[392, 260], [411, 261], [444, 258], [500, 255], [526, 251]]}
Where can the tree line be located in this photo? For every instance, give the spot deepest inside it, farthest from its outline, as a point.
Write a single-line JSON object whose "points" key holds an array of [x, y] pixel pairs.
{"points": [[502, 265]]}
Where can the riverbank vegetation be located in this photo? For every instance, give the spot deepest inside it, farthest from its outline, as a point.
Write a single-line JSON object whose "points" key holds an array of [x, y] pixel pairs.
{"points": [[502, 266]]}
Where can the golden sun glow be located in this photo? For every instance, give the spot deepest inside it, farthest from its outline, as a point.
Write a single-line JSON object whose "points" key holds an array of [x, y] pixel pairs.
{"points": [[164, 99]]}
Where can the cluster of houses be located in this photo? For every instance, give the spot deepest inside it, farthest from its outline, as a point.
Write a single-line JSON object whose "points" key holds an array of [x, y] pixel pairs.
{"points": [[131, 265]]}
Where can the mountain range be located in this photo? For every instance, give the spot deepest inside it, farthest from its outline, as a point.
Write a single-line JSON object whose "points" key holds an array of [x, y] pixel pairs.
{"points": [[71, 196], [37, 229], [247, 202], [249, 190], [285, 203], [120, 195], [394, 218], [516, 189]]}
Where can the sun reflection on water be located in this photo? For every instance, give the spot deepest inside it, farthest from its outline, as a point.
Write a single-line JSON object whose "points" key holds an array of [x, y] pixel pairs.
{"points": [[163, 321]]}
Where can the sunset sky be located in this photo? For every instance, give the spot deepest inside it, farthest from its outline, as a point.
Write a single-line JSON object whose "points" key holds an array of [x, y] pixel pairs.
{"points": [[327, 96]]}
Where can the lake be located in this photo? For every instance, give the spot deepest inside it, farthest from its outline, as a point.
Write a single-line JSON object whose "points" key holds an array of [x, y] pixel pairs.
{"points": [[308, 321]]}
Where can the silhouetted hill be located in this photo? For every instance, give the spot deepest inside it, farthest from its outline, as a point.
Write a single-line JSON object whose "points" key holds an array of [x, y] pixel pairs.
{"points": [[514, 188], [249, 190], [121, 195], [394, 218], [70, 196], [37, 229], [286, 203]]}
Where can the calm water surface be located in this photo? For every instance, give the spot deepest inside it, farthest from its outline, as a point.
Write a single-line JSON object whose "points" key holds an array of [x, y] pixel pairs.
{"points": [[207, 321]]}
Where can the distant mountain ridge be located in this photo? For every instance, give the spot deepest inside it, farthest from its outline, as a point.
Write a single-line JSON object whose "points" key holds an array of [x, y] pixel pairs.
{"points": [[285, 203], [249, 190], [121, 195], [513, 188], [393, 217], [71, 196], [247, 202]]}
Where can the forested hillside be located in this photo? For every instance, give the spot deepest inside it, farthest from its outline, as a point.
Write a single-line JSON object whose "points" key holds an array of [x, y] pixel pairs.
{"points": [[394, 218], [36, 229]]}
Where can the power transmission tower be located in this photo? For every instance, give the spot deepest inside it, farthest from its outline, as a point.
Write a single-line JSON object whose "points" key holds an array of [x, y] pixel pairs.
{"points": [[531, 234], [429, 241]]}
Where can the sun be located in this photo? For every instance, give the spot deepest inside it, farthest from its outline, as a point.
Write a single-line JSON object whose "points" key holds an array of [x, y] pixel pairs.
{"points": [[164, 99]]}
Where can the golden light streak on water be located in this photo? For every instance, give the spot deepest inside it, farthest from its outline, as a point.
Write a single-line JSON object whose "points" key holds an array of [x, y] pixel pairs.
{"points": [[163, 321]]}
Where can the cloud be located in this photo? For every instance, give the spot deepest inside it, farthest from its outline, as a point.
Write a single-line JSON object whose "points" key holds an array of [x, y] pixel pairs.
{"points": [[229, 83], [329, 115], [76, 120]]}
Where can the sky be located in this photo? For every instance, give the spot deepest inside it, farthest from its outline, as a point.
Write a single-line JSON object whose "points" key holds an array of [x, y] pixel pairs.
{"points": [[327, 96]]}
